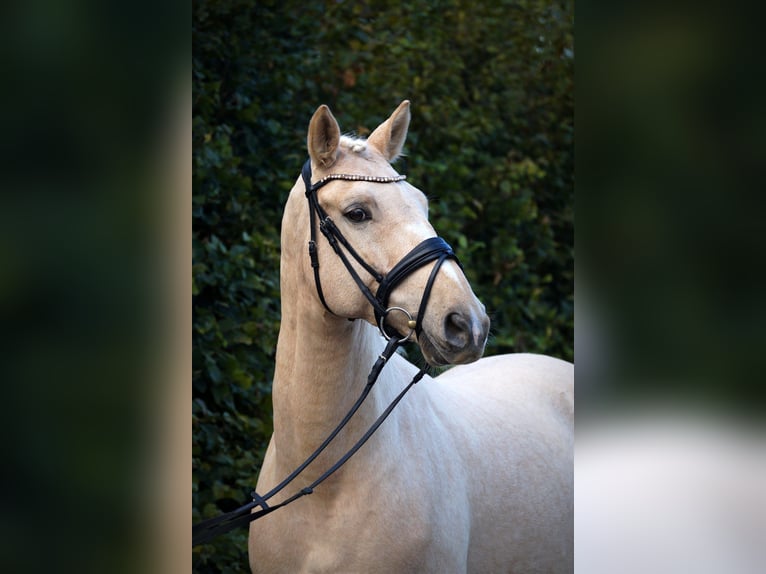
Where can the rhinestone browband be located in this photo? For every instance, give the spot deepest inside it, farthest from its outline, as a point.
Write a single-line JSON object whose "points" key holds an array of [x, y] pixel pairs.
{"points": [[353, 177]]}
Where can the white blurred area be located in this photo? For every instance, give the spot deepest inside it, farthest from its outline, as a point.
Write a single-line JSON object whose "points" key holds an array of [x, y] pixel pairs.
{"points": [[662, 485], [666, 492], [670, 457]]}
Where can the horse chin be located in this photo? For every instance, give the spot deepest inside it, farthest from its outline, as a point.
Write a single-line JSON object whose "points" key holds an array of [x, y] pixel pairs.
{"points": [[430, 353], [438, 357]]}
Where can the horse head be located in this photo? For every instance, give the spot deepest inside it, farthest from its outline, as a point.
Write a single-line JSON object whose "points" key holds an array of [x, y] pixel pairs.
{"points": [[374, 223]]}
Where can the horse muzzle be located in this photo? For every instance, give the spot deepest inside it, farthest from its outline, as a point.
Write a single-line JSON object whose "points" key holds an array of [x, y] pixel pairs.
{"points": [[460, 339]]}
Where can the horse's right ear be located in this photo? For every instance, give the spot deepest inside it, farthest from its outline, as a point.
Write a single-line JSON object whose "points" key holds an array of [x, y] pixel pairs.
{"points": [[388, 138], [323, 137]]}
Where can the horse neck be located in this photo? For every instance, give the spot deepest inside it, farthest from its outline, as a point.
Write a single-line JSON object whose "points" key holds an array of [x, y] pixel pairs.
{"points": [[322, 365]]}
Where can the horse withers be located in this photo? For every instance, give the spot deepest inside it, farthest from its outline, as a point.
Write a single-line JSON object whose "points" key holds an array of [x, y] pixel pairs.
{"points": [[472, 472]]}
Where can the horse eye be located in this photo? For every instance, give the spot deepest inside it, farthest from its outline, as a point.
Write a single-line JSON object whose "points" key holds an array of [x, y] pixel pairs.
{"points": [[357, 215]]}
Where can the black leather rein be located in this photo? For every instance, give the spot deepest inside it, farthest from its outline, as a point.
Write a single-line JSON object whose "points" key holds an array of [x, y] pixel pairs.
{"points": [[432, 249]]}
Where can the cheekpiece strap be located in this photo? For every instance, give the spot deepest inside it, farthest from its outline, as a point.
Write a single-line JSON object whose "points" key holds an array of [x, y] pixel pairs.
{"points": [[333, 234]]}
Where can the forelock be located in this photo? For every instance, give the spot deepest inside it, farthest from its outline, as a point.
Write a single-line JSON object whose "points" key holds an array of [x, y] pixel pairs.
{"points": [[354, 145]]}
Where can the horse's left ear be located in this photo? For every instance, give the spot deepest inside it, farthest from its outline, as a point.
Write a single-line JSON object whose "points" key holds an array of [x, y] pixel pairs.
{"points": [[323, 137], [388, 138]]}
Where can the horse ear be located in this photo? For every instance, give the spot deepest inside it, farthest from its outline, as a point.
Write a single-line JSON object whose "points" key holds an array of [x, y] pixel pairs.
{"points": [[323, 137], [388, 138]]}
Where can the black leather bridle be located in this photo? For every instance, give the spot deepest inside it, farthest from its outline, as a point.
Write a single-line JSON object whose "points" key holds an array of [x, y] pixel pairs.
{"points": [[431, 249]]}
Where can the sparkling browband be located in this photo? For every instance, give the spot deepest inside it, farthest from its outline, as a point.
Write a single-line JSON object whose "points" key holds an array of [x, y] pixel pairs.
{"points": [[353, 177]]}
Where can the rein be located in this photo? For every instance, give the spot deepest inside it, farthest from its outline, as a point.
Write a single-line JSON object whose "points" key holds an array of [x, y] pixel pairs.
{"points": [[432, 249]]}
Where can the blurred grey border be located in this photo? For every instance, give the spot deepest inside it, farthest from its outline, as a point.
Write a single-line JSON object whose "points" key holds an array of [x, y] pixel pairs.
{"points": [[669, 346]]}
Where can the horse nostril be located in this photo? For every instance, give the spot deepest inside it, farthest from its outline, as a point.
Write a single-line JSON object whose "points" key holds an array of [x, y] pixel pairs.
{"points": [[457, 330]]}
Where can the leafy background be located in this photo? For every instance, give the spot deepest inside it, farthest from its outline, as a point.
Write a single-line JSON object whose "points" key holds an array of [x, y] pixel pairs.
{"points": [[490, 143]]}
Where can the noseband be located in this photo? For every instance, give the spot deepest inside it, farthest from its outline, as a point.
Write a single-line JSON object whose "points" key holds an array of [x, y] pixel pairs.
{"points": [[431, 249]]}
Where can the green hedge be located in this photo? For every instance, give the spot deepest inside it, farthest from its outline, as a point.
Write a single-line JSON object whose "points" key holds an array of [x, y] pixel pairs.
{"points": [[491, 144]]}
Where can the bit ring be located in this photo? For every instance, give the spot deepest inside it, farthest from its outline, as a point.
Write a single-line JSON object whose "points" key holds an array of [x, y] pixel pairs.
{"points": [[410, 323]]}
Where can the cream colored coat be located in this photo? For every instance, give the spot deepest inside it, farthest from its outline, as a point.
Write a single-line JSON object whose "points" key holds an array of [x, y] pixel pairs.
{"points": [[473, 470]]}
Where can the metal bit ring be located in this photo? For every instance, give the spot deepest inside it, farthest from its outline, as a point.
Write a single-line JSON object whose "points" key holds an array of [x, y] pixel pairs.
{"points": [[410, 323]]}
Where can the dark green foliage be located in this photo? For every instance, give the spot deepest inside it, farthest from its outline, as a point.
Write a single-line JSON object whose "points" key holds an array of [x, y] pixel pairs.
{"points": [[491, 144]]}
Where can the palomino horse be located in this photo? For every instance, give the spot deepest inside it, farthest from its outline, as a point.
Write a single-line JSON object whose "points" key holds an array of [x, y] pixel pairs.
{"points": [[472, 472]]}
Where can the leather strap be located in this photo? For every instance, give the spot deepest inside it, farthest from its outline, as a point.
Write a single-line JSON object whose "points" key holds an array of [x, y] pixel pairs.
{"points": [[206, 530]]}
